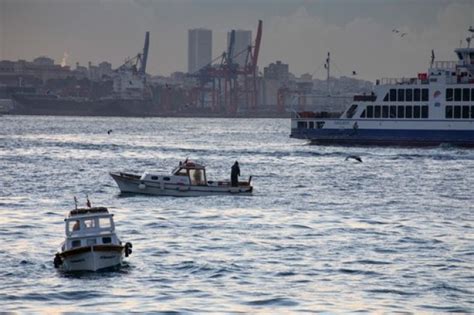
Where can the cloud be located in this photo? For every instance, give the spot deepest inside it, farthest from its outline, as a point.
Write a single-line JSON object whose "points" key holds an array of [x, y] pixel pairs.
{"points": [[362, 44], [359, 36]]}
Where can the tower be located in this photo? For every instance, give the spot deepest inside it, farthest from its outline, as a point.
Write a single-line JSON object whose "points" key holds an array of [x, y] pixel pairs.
{"points": [[199, 49]]}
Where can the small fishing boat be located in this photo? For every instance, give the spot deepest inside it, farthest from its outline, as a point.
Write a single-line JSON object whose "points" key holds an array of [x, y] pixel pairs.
{"points": [[91, 243], [187, 179]]}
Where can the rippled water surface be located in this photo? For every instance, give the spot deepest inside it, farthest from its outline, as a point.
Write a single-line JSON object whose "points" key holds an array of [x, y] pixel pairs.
{"points": [[394, 233]]}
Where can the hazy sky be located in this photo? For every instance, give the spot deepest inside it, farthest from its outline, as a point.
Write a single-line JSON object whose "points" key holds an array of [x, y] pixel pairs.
{"points": [[358, 33]]}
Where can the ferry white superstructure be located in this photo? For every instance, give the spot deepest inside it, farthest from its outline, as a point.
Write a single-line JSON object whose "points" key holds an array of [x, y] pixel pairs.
{"points": [[433, 108]]}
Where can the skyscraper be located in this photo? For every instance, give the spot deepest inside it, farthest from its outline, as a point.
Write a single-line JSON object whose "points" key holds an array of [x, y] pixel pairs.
{"points": [[199, 48], [243, 39]]}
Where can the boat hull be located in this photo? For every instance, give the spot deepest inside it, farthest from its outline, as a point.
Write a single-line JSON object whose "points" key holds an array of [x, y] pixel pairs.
{"points": [[129, 183], [387, 137], [92, 258]]}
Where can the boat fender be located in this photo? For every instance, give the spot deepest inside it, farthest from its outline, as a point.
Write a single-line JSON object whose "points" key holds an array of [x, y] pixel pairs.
{"points": [[128, 249], [57, 261], [141, 186]]}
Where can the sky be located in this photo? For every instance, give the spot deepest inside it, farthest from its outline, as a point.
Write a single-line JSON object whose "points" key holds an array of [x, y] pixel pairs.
{"points": [[358, 33]]}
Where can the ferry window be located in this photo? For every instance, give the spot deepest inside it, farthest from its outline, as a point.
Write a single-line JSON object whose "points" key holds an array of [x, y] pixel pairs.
{"points": [[311, 125], [302, 125], [91, 241], [416, 111], [106, 240], [154, 178], [104, 222], [363, 114], [377, 111], [416, 95], [465, 112], [393, 111], [424, 95], [166, 178], [384, 111], [76, 243], [424, 111], [409, 95], [89, 223], [457, 111], [457, 95], [393, 95], [472, 94], [401, 95], [385, 99], [320, 124], [449, 112], [408, 112], [351, 111], [370, 111], [449, 95], [401, 112], [465, 95], [472, 111]]}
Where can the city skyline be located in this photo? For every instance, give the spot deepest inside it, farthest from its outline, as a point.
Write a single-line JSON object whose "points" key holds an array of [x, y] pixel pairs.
{"points": [[359, 37]]}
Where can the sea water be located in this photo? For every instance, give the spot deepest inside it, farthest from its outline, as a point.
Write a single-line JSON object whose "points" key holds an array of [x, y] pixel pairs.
{"points": [[393, 233]]}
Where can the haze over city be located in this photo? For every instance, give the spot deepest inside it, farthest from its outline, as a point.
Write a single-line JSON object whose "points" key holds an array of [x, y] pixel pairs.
{"points": [[359, 34]]}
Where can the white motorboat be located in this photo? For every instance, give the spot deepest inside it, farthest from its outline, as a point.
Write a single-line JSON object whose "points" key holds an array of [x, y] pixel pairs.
{"points": [[91, 243], [187, 179]]}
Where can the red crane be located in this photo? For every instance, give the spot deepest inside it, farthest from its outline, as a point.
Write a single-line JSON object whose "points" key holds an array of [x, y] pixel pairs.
{"points": [[222, 82]]}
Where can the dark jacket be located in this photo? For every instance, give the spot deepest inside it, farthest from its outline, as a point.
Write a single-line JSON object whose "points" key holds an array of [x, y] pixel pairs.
{"points": [[235, 170]]}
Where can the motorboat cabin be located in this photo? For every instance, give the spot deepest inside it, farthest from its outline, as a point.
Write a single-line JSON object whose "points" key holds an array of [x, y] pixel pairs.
{"points": [[91, 243]]}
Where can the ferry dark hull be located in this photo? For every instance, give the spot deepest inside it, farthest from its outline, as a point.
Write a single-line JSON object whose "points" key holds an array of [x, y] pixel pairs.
{"points": [[386, 137]]}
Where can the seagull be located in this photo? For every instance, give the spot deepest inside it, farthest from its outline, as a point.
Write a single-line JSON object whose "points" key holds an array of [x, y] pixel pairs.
{"points": [[354, 73], [402, 34], [354, 157], [109, 131], [395, 31]]}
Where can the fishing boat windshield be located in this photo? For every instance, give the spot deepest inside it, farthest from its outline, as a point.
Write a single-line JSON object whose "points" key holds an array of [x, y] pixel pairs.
{"points": [[180, 172], [86, 225]]}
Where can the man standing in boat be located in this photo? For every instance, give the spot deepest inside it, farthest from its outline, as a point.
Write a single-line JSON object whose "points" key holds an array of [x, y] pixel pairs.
{"points": [[234, 175]]}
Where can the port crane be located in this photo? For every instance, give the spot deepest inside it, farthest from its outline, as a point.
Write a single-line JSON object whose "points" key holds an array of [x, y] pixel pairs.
{"points": [[225, 83], [137, 64]]}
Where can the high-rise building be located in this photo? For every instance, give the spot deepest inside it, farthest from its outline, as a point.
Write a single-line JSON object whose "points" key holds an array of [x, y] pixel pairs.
{"points": [[277, 71], [243, 39], [199, 49]]}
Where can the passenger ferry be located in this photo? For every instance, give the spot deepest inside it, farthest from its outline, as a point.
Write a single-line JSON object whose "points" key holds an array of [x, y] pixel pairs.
{"points": [[433, 108]]}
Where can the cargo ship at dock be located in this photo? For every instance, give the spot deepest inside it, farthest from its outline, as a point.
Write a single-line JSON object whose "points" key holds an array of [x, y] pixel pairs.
{"points": [[72, 106], [436, 107]]}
